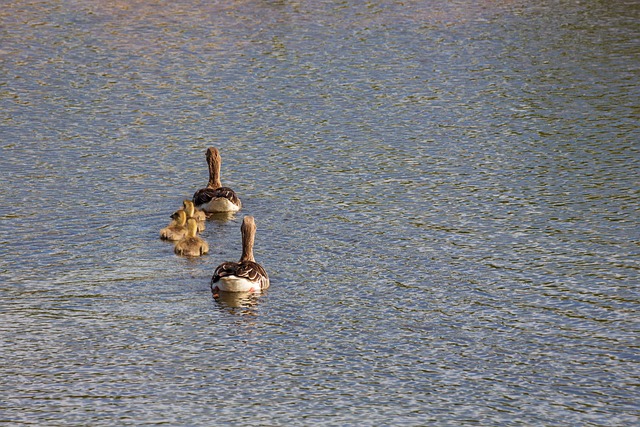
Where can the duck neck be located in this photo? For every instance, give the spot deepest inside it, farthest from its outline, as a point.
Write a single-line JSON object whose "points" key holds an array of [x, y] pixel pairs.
{"points": [[189, 209], [181, 219], [247, 242], [192, 228], [214, 172]]}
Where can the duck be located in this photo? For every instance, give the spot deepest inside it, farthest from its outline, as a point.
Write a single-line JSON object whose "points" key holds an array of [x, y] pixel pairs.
{"points": [[215, 197], [176, 229], [191, 244], [191, 212], [246, 275]]}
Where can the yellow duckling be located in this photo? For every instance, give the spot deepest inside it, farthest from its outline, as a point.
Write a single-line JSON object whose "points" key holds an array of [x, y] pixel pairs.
{"points": [[194, 213], [176, 229], [191, 244]]}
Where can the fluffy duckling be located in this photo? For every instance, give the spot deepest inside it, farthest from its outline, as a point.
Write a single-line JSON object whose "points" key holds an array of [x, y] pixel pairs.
{"points": [[191, 212], [215, 197], [176, 229], [191, 244], [246, 275]]}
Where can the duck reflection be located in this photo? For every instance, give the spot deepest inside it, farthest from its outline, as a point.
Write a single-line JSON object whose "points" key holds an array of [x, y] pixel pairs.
{"points": [[237, 302], [221, 217]]}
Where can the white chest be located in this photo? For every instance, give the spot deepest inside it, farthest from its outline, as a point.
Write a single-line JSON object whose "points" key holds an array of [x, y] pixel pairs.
{"points": [[237, 284], [220, 204]]}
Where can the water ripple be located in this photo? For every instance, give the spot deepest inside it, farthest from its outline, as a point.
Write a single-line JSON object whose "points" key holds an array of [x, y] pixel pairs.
{"points": [[444, 194]]}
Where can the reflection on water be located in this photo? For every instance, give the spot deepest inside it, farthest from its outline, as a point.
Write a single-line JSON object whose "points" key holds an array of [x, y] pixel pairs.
{"points": [[445, 193], [237, 302], [221, 217]]}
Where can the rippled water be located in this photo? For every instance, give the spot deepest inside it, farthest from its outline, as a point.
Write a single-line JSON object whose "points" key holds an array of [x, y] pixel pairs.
{"points": [[446, 196]]}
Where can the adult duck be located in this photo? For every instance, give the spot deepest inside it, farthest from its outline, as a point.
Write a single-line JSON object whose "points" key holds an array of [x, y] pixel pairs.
{"points": [[215, 197], [246, 275], [191, 244]]}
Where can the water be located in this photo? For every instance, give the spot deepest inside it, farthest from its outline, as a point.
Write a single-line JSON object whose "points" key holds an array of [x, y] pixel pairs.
{"points": [[445, 192]]}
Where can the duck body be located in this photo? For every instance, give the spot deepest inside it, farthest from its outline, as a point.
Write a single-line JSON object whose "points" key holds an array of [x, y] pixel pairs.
{"points": [[246, 276], [222, 199], [199, 215], [191, 244]]}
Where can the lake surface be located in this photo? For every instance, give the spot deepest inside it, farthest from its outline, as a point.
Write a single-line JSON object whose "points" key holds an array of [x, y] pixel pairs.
{"points": [[446, 196]]}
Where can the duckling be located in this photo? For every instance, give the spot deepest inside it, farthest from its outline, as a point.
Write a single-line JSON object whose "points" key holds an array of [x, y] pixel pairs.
{"points": [[198, 215], [215, 197], [191, 244], [176, 228], [246, 275]]}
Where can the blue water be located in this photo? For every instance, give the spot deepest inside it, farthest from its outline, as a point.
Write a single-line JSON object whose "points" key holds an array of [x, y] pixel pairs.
{"points": [[446, 196]]}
